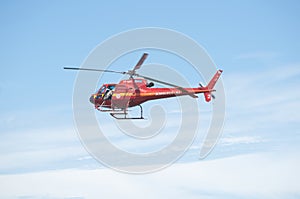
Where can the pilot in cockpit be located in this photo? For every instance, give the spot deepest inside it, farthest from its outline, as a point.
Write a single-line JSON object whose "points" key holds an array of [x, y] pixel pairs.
{"points": [[109, 92]]}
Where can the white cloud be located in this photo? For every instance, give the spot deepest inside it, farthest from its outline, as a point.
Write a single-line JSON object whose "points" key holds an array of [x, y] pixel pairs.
{"points": [[31, 150], [265, 99], [259, 176], [241, 140]]}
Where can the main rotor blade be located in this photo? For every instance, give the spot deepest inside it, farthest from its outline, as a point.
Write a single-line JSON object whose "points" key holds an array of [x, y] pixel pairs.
{"points": [[141, 61], [91, 69], [169, 84]]}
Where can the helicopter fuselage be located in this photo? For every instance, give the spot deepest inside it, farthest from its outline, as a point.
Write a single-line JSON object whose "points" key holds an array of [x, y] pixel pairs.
{"points": [[133, 92]]}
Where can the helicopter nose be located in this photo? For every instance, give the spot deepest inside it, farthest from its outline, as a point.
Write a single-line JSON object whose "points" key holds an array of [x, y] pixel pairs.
{"points": [[92, 99]]}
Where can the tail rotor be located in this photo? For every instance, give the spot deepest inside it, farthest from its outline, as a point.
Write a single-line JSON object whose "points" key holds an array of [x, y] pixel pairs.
{"points": [[210, 86]]}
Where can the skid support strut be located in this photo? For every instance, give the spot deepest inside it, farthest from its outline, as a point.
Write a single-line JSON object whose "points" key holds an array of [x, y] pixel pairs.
{"points": [[123, 115]]}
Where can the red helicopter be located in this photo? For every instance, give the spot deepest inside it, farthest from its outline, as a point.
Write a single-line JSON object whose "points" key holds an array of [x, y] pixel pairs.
{"points": [[117, 98]]}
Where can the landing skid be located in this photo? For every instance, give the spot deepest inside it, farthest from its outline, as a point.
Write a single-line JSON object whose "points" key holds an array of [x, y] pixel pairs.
{"points": [[119, 113], [105, 108], [124, 115]]}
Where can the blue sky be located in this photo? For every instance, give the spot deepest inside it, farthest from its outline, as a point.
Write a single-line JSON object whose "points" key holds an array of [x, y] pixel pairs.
{"points": [[256, 44]]}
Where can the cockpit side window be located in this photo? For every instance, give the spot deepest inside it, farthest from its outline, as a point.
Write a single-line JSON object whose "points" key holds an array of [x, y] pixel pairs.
{"points": [[111, 87]]}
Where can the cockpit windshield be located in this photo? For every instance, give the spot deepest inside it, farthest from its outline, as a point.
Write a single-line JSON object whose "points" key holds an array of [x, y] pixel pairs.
{"points": [[102, 90]]}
